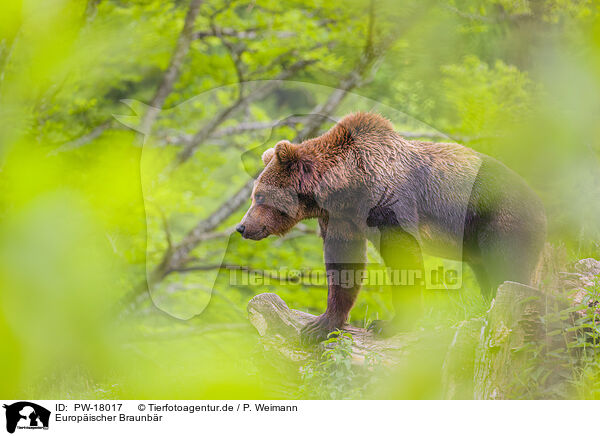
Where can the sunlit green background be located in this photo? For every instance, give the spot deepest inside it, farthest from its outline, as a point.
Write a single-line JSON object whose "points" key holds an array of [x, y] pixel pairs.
{"points": [[85, 215]]}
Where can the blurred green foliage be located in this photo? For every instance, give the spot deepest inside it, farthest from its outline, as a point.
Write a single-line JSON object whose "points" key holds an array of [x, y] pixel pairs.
{"points": [[82, 222]]}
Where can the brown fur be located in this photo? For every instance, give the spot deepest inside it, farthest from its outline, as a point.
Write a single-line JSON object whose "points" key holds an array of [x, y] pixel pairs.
{"points": [[364, 181]]}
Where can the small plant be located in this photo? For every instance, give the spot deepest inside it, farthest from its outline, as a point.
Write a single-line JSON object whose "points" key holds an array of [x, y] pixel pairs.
{"points": [[586, 377], [333, 375]]}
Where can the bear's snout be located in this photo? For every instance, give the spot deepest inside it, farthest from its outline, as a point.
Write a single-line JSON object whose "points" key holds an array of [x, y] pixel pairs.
{"points": [[252, 230]]}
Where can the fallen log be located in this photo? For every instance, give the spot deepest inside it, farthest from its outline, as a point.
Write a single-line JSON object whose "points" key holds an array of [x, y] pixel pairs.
{"points": [[279, 328]]}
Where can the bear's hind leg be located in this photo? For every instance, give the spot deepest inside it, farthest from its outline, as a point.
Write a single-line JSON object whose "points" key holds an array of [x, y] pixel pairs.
{"points": [[511, 255], [402, 255]]}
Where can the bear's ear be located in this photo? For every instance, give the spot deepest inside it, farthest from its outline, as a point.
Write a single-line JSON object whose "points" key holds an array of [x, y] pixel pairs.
{"points": [[286, 152], [293, 158], [268, 155]]}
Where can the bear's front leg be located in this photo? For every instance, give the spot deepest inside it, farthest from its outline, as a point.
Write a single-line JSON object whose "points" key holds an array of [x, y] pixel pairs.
{"points": [[345, 261]]}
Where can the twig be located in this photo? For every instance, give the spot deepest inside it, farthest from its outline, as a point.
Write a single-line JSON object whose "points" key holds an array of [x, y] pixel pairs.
{"points": [[167, 229], [95, 133], [235, 54], [251, 33], [263, 273]]}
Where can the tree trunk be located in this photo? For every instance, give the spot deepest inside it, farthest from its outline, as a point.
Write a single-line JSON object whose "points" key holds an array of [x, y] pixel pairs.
{"points": [[512, 331]]}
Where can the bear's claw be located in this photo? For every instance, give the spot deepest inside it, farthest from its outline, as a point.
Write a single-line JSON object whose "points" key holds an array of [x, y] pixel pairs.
{"points": [[316, 330]]}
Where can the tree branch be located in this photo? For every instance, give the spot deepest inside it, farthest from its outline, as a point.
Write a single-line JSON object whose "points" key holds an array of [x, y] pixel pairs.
{"points": [[181, 49], [238, 129], [226, 113]]}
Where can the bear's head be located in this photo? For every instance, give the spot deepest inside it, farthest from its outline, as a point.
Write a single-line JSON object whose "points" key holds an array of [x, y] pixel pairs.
{"points": [[283, 193]]}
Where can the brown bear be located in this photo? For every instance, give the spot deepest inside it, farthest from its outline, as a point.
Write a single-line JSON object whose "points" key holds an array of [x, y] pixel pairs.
{"points": [[363, 181]]}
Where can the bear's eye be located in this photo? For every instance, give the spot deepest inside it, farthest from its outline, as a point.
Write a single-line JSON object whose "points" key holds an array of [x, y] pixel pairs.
{"points": [[259, 199]]}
